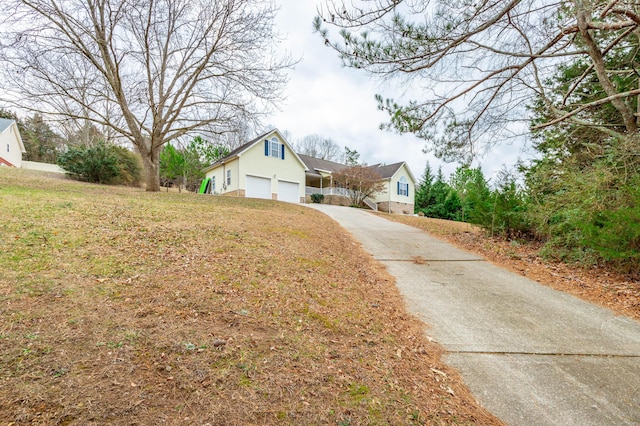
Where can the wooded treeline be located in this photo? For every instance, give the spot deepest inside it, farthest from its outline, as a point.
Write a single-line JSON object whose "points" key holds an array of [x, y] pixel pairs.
{"points": [[563, 74]]}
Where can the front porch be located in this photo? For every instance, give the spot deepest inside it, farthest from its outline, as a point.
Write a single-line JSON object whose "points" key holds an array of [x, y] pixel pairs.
{"points": [[338, 193]]}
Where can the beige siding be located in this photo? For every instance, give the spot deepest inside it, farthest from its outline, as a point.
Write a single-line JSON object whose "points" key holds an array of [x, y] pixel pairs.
{"points": [[254, 162], [390, 194], [220, 174]]}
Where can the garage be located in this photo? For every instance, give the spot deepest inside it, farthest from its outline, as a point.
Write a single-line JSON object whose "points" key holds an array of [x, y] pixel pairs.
{"points": [[258, 187], [288, 191]]}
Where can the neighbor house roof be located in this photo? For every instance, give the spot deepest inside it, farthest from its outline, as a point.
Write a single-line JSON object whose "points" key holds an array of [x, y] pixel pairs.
{"points": [[4, 162]]}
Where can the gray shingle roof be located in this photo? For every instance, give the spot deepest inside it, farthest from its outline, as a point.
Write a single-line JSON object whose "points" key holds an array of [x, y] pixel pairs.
{"points": [[387, 171], [315, 164]]}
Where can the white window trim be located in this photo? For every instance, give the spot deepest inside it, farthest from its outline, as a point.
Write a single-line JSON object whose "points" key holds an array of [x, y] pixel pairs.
{"points": [[274, 148], [403, 187]]}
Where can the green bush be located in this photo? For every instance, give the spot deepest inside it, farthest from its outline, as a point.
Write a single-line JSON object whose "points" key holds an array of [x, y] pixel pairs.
{"points": [[101, 163], [317, 198], [130, 165]]}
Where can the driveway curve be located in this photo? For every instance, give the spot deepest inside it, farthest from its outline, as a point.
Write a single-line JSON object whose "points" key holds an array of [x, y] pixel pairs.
{"points": [[530, 354]]}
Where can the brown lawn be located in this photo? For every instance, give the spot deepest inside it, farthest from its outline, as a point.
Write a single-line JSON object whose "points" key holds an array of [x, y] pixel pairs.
{"points": [[124, 307]]}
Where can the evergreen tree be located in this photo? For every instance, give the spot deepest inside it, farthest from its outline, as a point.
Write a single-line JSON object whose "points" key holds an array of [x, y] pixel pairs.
{"points": [[40, 141], [352, 157], [446, 203], [172, 164], [474, 193], [424, 196]]}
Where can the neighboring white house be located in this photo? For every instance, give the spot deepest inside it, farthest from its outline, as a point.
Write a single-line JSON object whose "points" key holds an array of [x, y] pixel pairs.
{"points": [[11, 146], [266, 167]]}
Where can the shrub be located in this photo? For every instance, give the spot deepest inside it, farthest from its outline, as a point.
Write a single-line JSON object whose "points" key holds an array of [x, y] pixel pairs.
{"points": [[130, 165], [101, 163], [317, 198]]}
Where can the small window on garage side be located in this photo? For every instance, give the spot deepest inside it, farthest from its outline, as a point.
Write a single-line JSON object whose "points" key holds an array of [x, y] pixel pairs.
{"points": [[213, 184], [228, 177]]}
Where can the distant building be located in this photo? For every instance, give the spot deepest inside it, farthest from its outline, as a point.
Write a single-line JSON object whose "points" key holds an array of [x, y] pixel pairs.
{"points": [[11, 146]]}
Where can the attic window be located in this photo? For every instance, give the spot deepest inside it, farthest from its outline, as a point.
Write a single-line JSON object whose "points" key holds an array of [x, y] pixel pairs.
{"points": [[7, 147], [273, 148], [403, 187]]}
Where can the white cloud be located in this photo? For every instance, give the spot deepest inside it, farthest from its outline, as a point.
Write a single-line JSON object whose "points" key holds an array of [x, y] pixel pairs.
{"points": [[326, 98]]}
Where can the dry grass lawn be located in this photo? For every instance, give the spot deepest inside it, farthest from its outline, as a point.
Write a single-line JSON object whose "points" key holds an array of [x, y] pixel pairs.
{"points": [[125, 307]]}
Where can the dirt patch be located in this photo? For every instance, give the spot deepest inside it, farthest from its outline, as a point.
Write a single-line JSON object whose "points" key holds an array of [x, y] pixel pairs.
{"points": [[125, 307], [598, 285]]}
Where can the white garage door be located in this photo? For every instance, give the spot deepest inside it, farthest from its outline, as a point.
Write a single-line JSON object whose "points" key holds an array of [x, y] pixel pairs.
{"points": [[288, 191], [258, 187]]}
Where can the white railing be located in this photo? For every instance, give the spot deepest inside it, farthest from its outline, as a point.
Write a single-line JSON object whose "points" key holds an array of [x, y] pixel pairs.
{"points": [[326, 191], [341, 192], [372, 205]]}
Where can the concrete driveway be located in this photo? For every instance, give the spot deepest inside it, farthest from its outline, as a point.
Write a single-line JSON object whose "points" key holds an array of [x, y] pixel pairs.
{"points": [[530, 354]]}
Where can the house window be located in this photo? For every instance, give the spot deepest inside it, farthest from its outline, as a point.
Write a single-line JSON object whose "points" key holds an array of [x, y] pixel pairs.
{"points": [[213, 184], [228, 177], [273, 148], [403, 187], [7, 147]]}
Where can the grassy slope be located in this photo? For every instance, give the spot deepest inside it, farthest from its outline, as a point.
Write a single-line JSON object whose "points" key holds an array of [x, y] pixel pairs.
{"points": [[123, 307]]}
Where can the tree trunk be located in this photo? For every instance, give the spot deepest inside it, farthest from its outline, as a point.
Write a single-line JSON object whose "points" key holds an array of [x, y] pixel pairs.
{"points": [[151, 160], [584, 20]]}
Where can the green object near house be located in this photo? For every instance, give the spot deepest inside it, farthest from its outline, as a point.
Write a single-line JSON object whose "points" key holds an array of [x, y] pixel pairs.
{"points": [[204, 186]]}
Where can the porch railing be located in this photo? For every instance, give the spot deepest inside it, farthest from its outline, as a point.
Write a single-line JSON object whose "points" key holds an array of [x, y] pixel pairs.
{"points": [[326, 191], [341, 192]]}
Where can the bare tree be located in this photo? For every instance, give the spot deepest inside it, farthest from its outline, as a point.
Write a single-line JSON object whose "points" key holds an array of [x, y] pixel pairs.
{"points": [[319, 147], [150, 70], [359, 181], [478, 65]]}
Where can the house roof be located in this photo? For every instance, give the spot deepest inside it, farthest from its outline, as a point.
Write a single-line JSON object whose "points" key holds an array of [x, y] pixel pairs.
{"points": [[314, 165], [241, 149], [387, 171]]}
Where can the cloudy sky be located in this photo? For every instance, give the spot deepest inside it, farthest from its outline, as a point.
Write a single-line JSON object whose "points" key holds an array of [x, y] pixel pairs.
{"points": [[336, 102]]}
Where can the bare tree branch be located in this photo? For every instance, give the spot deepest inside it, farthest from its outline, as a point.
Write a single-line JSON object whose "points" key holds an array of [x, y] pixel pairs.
{"points": [[152, 71]]}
